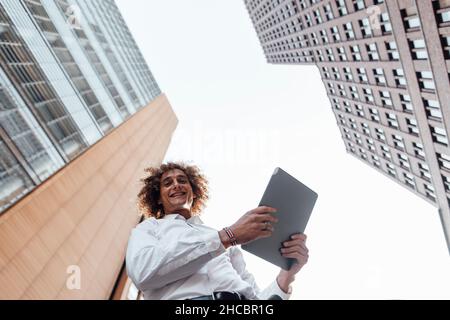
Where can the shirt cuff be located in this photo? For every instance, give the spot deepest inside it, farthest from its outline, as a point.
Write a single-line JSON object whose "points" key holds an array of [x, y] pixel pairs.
{"points": [[274, 288]]}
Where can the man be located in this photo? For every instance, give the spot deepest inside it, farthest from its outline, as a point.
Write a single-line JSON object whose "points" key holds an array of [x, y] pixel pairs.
{"points": [[173, 255]]}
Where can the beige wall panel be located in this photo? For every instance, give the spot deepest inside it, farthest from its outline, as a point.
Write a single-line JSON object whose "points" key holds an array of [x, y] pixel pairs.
{"points": [[83, 214], [32, 259]]}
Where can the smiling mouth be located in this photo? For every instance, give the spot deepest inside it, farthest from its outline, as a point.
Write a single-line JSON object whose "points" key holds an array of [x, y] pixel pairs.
{"points": [[178, 194]]}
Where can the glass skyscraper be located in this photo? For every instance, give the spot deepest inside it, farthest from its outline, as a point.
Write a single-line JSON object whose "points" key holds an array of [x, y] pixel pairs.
{"points": [[70, 73]]}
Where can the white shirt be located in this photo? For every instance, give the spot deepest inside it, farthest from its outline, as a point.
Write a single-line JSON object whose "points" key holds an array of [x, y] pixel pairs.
{"points": [[174, 258]]}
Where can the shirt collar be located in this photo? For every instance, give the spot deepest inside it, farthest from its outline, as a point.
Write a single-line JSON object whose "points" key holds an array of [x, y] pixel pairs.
{"points": [[176, 216]]}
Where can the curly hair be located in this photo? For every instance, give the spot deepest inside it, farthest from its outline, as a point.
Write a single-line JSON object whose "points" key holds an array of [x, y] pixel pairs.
{"points": [[149, 195]]}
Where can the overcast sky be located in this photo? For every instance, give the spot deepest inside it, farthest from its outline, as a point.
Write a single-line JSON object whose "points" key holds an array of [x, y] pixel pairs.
{"points": [[369, 238]]}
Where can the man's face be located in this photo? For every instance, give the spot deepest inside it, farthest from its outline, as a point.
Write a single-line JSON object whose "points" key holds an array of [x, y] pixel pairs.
{"points": [[175, 191]]}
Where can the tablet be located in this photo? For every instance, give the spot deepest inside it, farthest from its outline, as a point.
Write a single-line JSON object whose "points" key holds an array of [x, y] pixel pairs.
{"points": [[294, 203]]}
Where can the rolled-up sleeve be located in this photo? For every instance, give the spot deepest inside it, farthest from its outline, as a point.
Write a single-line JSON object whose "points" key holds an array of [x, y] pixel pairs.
{"points": [[154, 260]]}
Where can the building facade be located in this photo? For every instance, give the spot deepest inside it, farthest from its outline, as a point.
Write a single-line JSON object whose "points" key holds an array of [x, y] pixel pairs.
{"points": [[385, 65], [81, 116]]}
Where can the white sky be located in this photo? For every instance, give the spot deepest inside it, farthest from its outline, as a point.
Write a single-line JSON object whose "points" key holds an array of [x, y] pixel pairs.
{"points": [[369, 238]]}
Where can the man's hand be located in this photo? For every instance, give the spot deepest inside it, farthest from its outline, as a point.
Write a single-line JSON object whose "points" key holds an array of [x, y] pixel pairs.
{"points": [[253, 225], [294, 248]]}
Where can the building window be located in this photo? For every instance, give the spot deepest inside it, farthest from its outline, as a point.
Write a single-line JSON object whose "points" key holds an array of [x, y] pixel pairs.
{"points": [[392, 51], [446, 46], [392, 120], [341, 7], [321, 58], [356, 53], [379, 76], [418, 49], [302, 4], [386, 26], [412, 126], [374, 115], [444, 161], [386, 99], [358, 138], [360, 112], [348, 30], [380, 134], [347, 107], [328, 12], [335, 34], [446, 183], [341, 54], [418, 150], [405, 100], [391, 170], [359, 5], [336, 73], [331, 88], [426, 81], [366, 30], [348, 74], [50, 111], [433, 109], [14, 181], [439, 135], [411, 19], [443, 12], [365, 127], [323, 36], [398, 142], [308, 20], [362, 75], [330, 55], [372, 52], [376, 161], [363, 153], [429, 192], [409, 180], [404, 161], [354, 93], [424, 171], [325, 72], [368, 96], [336, 104], [342, 91], [317, 17], [353, 124], [314, 39], [399, 77], [386, 152]]}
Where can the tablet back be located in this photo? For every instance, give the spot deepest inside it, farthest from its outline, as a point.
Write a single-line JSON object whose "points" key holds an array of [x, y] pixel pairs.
{"points": [[294, 203]]}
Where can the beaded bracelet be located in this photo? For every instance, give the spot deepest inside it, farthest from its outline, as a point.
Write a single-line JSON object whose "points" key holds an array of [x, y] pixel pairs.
{"points": [[231, 235]]}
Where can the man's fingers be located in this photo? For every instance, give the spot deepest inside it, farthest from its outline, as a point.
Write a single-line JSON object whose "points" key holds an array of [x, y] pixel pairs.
{"points": [[299, 236], [295, 249], [264, 209], [266, 217], [294, 243], [266, 234], [302, 259]]}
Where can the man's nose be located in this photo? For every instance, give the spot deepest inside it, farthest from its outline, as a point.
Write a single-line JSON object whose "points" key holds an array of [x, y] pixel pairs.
{"points": [[175, 184]]}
